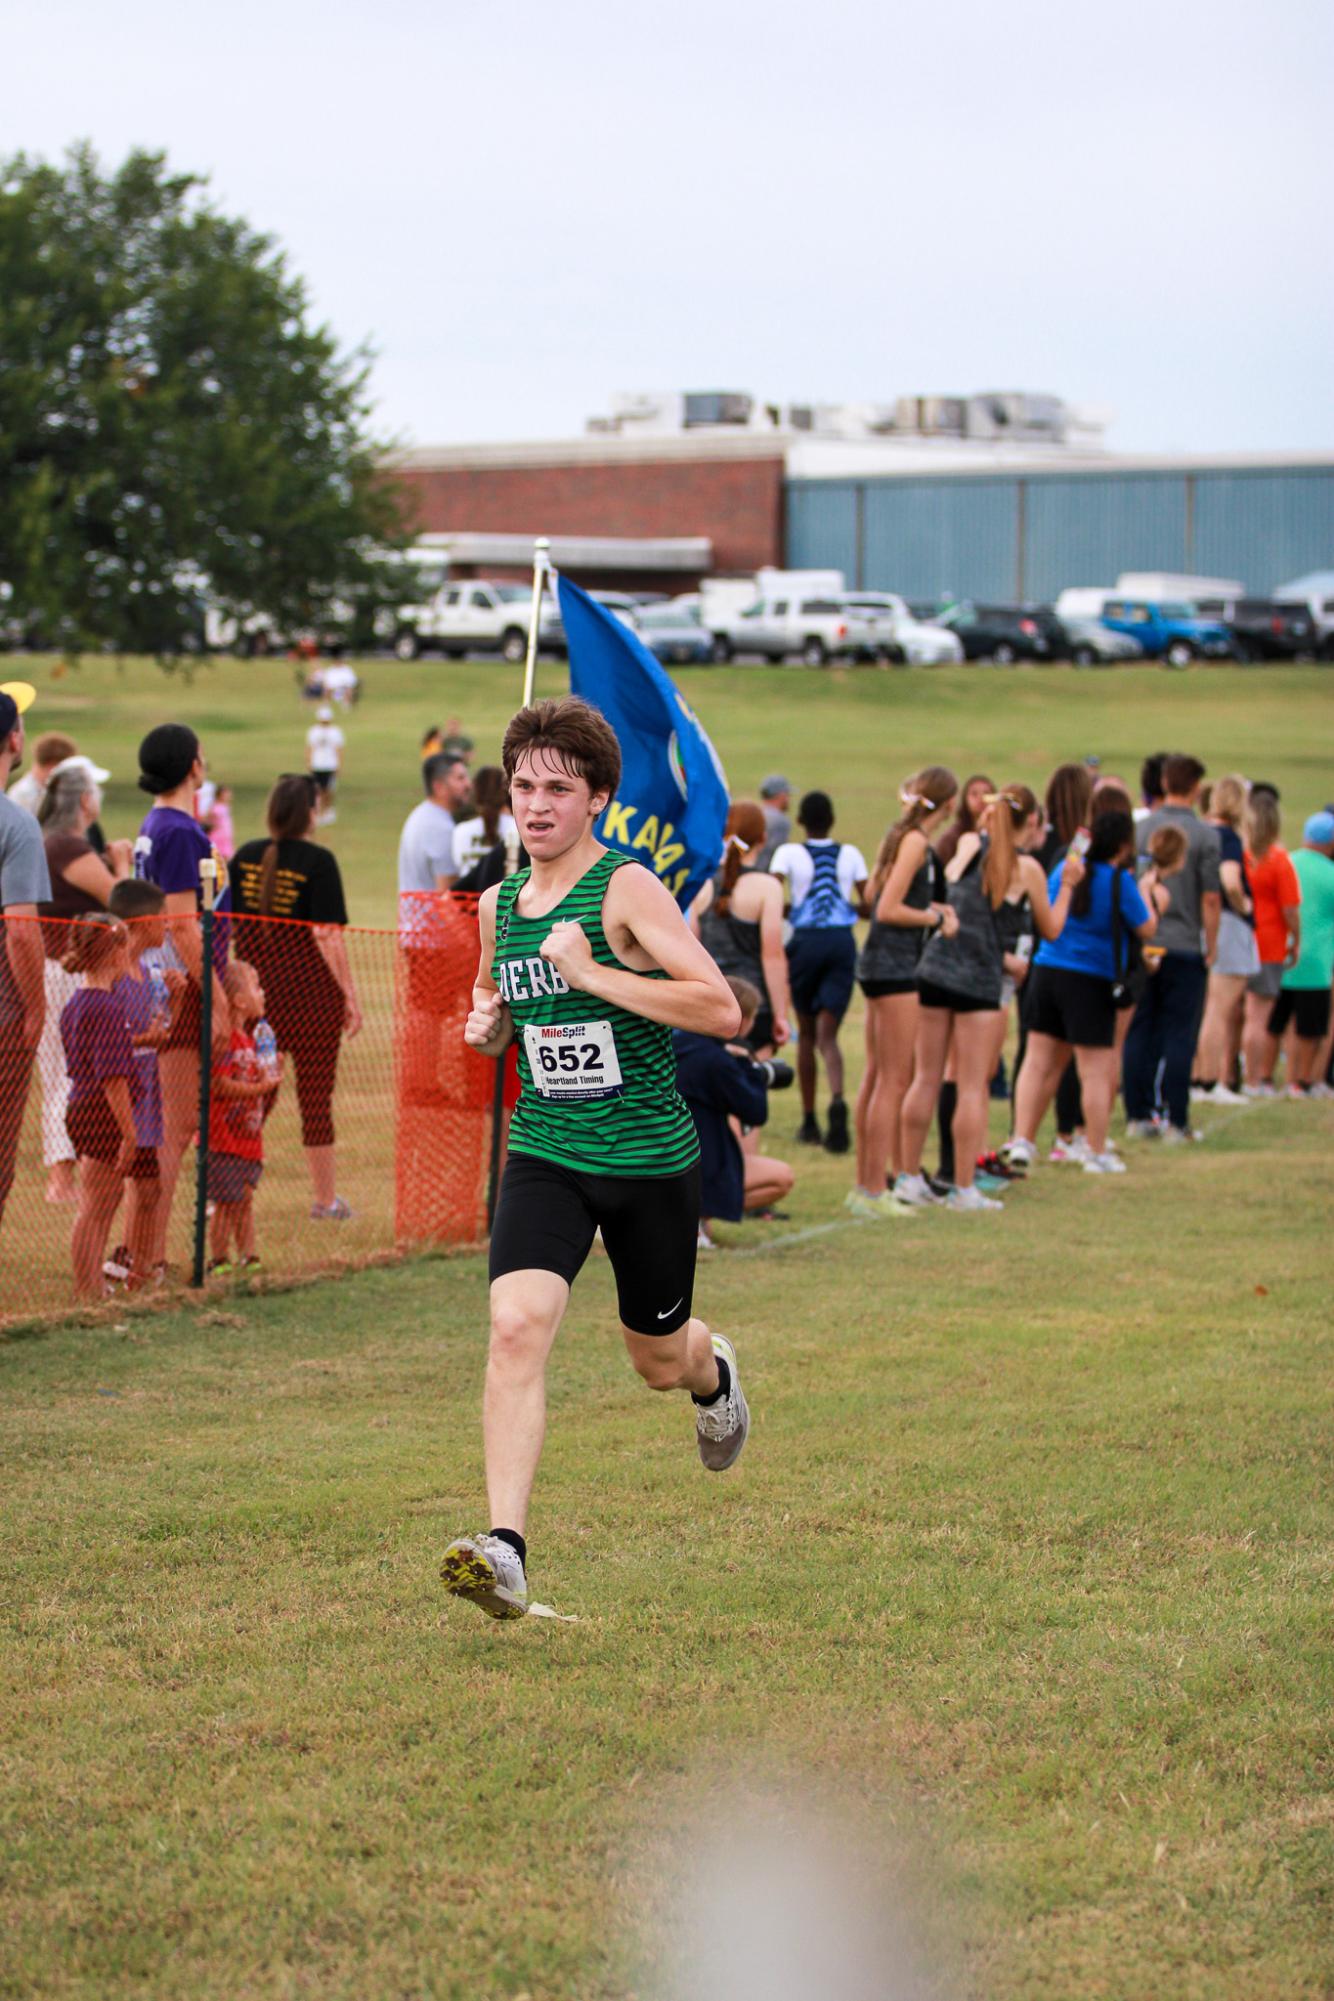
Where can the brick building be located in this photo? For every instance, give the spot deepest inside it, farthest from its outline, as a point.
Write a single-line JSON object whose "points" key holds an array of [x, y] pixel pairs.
{"points": [[647, 513]]}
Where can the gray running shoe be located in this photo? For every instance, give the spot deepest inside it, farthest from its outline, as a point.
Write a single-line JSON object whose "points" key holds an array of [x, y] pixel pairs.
{"points": [[487, 1572], [721, 1427]]}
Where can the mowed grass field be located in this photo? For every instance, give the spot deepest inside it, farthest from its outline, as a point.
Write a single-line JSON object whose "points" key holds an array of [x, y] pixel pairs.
{"points": [[1025, 1574]]}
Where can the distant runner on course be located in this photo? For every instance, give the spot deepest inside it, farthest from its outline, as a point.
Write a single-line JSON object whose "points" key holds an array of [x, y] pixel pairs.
{"points": [[588, 962]]}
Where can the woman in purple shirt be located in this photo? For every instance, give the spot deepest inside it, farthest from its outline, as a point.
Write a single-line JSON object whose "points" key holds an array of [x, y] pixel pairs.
{"points": [[169, 851]]}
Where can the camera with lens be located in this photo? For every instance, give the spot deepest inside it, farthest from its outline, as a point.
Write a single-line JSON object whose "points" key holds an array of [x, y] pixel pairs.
{"points": [[776, 1074]]}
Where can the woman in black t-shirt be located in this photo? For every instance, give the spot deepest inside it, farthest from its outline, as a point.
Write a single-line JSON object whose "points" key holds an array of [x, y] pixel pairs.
{"points": [[287, 895]]}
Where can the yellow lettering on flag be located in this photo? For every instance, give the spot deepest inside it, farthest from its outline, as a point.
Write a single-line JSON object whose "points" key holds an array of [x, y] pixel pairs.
{"points": [[618, 823], [647, 837]]}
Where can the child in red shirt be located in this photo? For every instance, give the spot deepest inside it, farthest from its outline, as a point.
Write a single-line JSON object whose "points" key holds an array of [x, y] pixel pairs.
{"points": [[243, 1091]]}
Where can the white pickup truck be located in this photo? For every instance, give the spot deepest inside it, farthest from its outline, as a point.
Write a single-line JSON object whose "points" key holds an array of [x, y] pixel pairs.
{"points": [[476, 617], [814, 629]]}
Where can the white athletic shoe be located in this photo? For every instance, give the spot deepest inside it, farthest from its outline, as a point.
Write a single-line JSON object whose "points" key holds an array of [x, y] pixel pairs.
{"points": [[1104, 1163], [1072, 1152], [488, 1573], [1143, 1129], [1215, 1094], [1019, 1152], [1179, 1136], [916, 1192], [1321, 1090], [881, 1208], [721, 1428], [1259, 1091], [971, 1200]]}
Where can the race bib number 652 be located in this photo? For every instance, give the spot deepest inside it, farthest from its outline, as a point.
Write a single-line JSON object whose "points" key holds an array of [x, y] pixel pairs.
{"points": [[573, 1062]]}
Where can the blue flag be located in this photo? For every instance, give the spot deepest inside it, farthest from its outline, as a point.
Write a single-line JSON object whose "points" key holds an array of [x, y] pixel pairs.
{"points": [[671, 807]]}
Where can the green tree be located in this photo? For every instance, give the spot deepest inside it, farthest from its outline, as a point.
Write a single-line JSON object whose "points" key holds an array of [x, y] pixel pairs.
{"points": [[169, 414]]}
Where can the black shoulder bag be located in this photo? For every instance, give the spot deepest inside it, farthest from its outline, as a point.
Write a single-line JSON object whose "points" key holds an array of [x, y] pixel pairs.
{"points": [[1128, 976]]}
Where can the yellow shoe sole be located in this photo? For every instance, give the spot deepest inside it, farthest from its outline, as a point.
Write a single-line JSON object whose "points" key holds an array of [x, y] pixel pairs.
{"points": [[466, 1573]]}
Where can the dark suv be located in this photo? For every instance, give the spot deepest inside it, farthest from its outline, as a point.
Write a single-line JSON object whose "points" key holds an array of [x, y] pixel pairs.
{"points": [[1006, 632], [1264, 629]]}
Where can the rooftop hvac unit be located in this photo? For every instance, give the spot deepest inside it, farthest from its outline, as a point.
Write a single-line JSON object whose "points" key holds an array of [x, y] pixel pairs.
{"points": [[717, 406], [800, 416], [942, 416], [1013, 413]]}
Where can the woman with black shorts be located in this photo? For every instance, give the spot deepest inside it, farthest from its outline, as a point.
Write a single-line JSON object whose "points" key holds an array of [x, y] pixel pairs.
{"points": [[959, 985], [907, 901], [290, 919], [738, 918], [1077, 978]]}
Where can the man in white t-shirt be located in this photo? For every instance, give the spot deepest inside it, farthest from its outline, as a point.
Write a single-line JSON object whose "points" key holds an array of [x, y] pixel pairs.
{"points": [[425, 871], [324, 761], [340, 682], [826, 882]]}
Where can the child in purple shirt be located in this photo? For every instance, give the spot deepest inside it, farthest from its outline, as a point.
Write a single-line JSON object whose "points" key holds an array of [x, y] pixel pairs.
{"points": [[99, 1115]]}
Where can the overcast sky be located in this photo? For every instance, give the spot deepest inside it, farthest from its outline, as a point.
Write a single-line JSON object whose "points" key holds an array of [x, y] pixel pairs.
{"points": [[526, 208]]}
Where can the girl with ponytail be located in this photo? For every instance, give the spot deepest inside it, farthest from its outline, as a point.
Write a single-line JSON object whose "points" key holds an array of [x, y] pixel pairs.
{"points": [[738, 918], [907, 902], [960, 984]]}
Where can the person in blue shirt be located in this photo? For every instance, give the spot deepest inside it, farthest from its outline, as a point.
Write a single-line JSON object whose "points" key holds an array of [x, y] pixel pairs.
{"points": [[721, 1083], [1073, 1005]]}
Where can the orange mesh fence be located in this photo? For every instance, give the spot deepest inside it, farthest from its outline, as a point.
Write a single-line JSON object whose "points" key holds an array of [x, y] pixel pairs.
{"points": [[369, 1130]]}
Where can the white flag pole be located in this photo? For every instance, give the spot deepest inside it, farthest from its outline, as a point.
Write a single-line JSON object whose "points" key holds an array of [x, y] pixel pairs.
{"points": [[541, 563]]}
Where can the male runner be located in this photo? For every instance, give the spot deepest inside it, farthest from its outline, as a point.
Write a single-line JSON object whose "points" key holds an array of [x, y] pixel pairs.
{"points": [[587, 960]]}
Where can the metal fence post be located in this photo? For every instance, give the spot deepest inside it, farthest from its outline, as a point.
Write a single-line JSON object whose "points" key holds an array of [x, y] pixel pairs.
{"points": [[208, 871]]}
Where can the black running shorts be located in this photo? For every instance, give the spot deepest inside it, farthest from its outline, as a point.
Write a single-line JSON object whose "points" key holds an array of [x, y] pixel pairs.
{"points": [[1307, 1008], [1072, 1007], [547, 1215]]}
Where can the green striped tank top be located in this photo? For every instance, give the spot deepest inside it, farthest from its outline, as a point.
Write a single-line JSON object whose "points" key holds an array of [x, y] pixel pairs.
{"points": [[597, 1084]]}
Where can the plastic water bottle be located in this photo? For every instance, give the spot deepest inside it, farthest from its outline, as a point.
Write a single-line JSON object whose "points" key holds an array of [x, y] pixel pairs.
{"points": [[266, 1049], [157, 987]]}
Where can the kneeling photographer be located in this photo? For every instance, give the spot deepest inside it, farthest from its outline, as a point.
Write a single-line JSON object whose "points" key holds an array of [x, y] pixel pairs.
{"points": [[726, 1089]]}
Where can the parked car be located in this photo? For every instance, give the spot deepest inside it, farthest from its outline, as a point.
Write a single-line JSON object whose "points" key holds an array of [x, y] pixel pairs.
{"points": [[1314, 593], [1091, 644], [621, 605], [1169, 629], [908, 641], [1006, 632], [674, 636], [1263, 629], [476, 618]]}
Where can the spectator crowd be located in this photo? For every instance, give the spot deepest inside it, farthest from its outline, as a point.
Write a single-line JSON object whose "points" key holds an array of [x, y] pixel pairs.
{"points": [[1167, 950]]}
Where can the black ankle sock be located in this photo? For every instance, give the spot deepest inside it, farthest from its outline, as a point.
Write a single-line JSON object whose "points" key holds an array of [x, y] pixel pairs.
{"points": [[949, 1097], [724, 1385], [515, 1541]]}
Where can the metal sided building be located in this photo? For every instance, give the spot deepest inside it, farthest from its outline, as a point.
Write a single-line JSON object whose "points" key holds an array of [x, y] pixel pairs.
{"points": [[1025, 531]]}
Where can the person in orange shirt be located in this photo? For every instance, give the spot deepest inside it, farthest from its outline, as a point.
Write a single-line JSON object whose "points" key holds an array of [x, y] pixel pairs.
{"points": [[1277, 895]]}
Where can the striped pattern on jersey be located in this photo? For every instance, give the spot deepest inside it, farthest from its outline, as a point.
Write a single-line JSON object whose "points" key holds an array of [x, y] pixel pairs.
{"points": [[824, 906], [647, 1130]]}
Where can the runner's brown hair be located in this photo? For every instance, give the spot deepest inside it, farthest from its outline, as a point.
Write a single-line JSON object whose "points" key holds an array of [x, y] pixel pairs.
{"points": [[576, 734]]}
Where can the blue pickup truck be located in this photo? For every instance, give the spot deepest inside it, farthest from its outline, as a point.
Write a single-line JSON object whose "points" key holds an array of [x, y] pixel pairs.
{"points": [[1169, 629]]}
